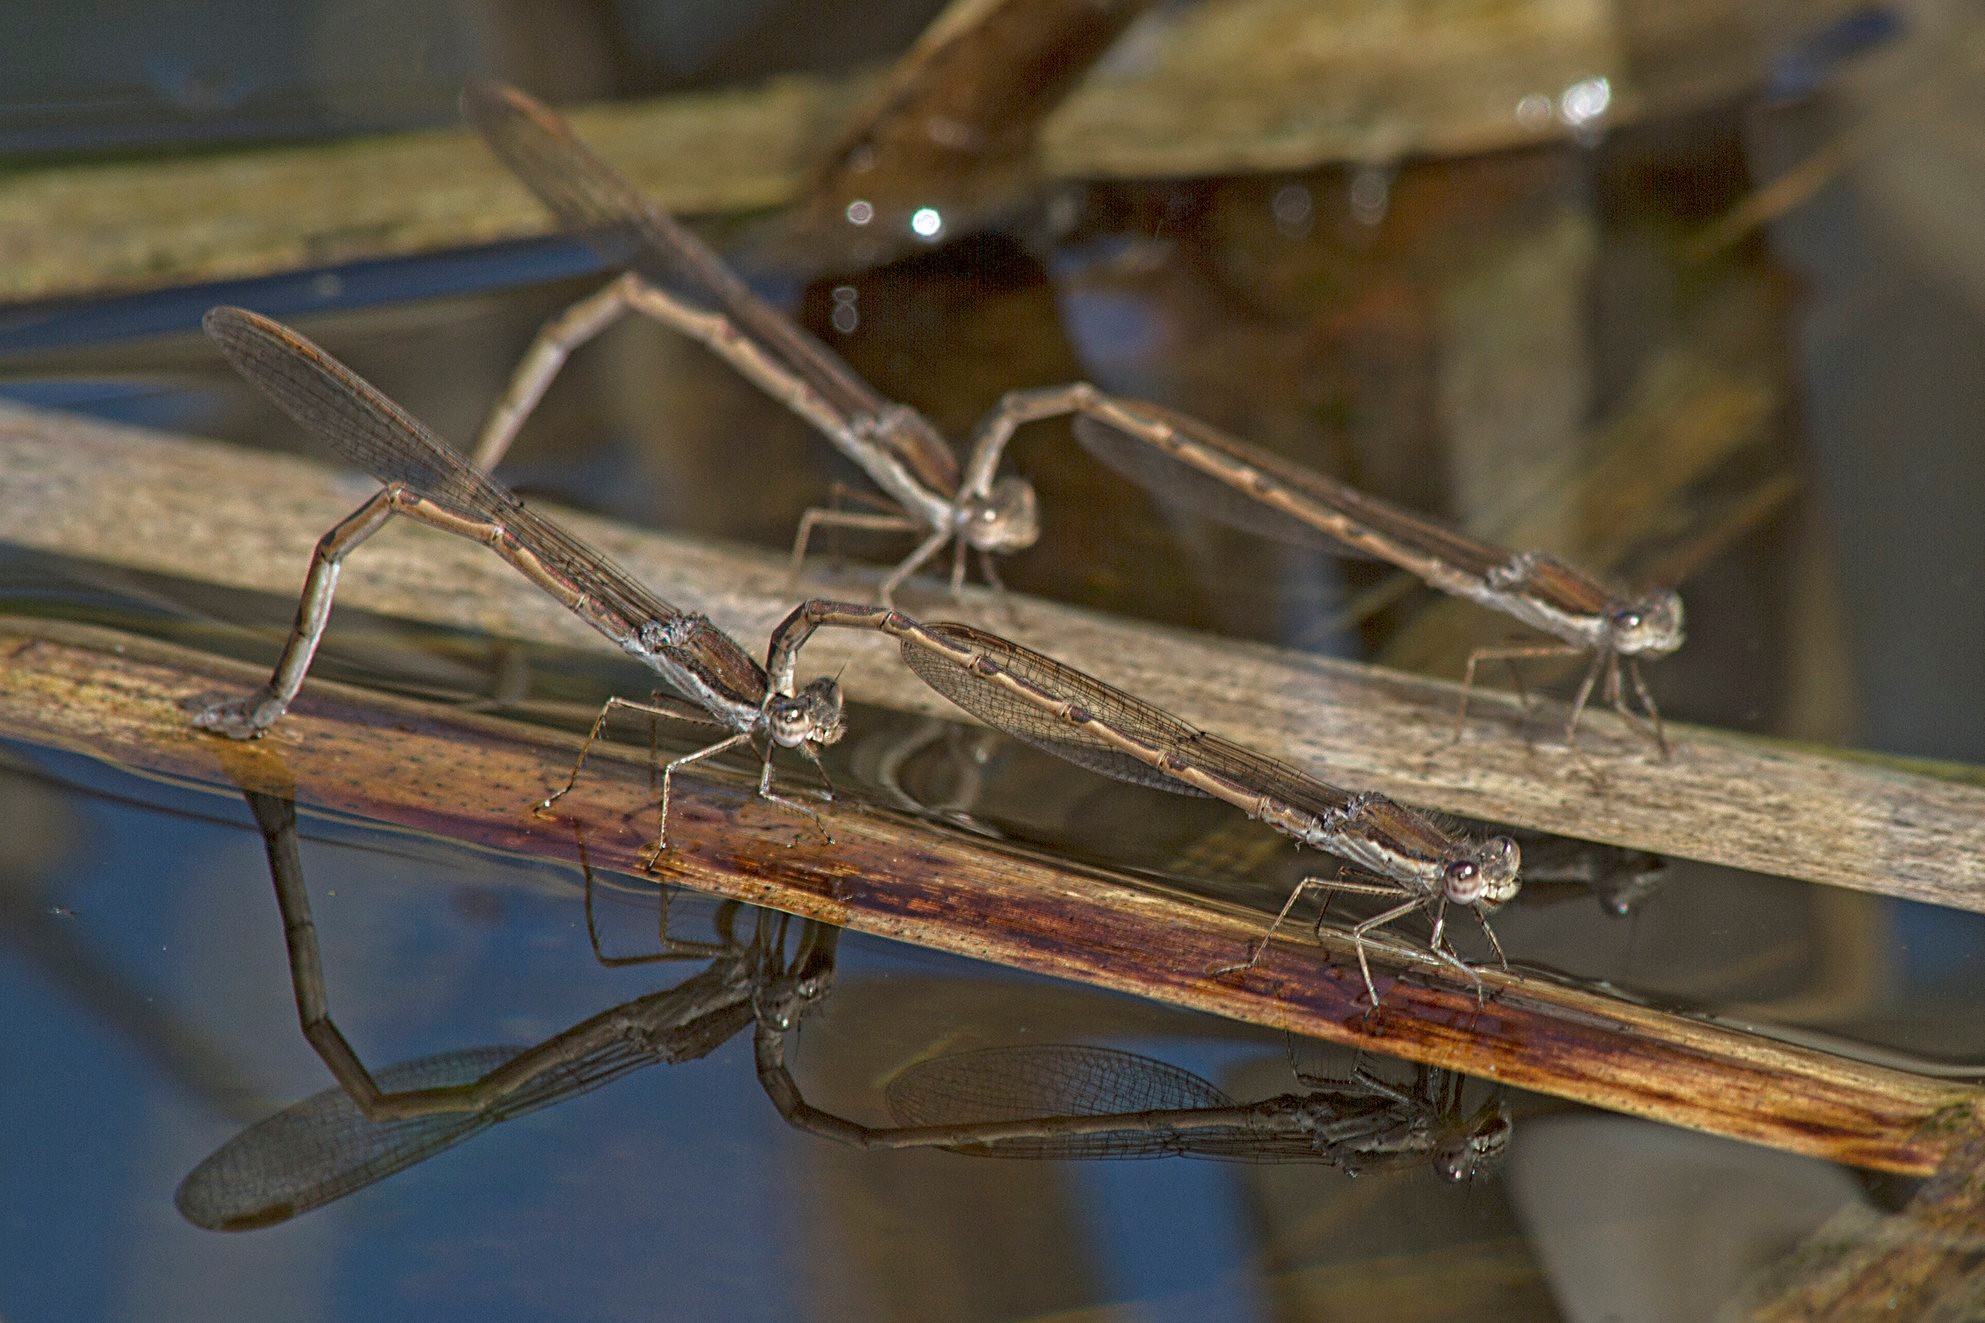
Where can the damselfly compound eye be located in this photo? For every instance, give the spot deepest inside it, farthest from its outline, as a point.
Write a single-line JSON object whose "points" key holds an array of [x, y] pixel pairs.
{"points": [[1462, 881]]}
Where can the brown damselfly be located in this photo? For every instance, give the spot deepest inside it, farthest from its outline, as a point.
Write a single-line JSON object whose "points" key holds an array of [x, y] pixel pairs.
{"points": [[1181, 458], [673, 277], [427, 482], [1397, 853]]}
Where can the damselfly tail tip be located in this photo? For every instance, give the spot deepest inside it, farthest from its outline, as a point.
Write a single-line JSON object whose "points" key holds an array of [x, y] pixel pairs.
{"points": [[235, 718]]}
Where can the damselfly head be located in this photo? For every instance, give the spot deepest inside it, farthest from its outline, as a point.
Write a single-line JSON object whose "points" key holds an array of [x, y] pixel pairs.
{"points": [[1007, 518], [1486, 876], [1650, 627], [1467, 1153], [781, 1003], [782, 994], [813, 715]]}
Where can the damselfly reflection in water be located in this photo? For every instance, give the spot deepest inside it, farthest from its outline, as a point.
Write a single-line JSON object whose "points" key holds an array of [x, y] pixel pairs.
{"points": [[1362, 1124], [933, 767], [428, 482], [1080, 718], [1054, 1102], [1619, 880], [1180, 458], [894, 444], [375, 1124], [1067, 1101]]}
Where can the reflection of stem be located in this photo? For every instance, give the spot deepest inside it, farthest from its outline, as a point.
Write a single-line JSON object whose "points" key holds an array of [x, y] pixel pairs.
{"points": [[1790, 190], [1682, 560]]}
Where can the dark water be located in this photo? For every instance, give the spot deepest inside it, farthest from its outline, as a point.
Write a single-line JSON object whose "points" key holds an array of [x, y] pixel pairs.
{"points": [[1445, 332]]}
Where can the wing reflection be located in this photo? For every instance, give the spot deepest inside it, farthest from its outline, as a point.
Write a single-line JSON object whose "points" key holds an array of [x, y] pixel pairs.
{"points": [[372, 1125]]}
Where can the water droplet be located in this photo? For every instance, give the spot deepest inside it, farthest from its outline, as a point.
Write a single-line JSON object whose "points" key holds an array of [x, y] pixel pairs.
{"points": [[846, 316], [1534, 111], [1293, 209], [947, 132], [1371, 193], [1585, 101]]}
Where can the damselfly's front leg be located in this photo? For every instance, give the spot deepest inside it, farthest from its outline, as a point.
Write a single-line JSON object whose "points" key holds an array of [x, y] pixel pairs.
{"points": [[1652, 723], [1511, 655], [1328, 886], [910, 564], [765, 790], [661, 845], [658, 705], [653, 855], [827, 517]]}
